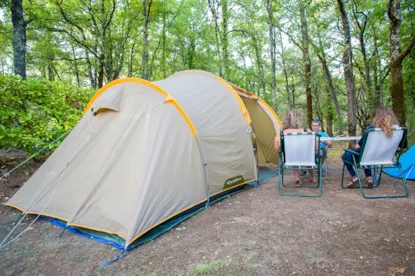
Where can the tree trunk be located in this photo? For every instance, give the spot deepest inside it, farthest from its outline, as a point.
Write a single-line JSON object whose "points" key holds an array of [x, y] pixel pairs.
{"points": [[145, 54], [260, 66], [75, 66], [92, 79], [378, 98], [213, 9], [293, 91], [225, 42], [285, 72], [19, 38], [396, 59], [306, 60], [163, 45], [322, 57], [190, 54], [130, 64], [272, 47], [51, 73], [362, 44], [330, 115], [348, 71], [101, 67]]}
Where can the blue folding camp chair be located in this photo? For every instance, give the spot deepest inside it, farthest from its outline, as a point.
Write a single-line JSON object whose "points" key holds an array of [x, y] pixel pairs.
{"points": [[407, 162], [377, 152], [298, 152]]}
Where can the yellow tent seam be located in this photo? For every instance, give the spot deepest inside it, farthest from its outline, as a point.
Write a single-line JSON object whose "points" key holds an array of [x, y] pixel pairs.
{"points": [[169, 99]]}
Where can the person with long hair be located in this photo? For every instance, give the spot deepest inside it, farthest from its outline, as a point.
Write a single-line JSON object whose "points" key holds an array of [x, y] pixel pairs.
{"points": [[382, 118], [292, 122]]}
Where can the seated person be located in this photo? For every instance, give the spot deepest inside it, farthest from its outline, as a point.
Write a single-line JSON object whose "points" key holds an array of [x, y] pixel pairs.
{"points": [[324, 145], [292, 122], [382, 118]]}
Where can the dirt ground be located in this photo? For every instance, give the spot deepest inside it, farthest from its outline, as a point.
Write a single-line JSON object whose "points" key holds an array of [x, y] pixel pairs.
{"points": [[255, 232]]}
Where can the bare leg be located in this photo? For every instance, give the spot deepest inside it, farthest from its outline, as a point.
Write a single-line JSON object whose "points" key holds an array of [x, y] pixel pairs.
{"points": [[297, 178], [296, 175], [323, 158], [313, 177]]}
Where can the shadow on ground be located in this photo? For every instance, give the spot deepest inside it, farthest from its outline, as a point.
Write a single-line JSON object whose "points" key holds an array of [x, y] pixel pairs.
{"points": [[255, 232]]}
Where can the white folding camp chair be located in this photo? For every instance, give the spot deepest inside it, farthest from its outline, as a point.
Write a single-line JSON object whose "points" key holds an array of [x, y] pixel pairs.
{"points": [[298, 152], [377, 152]]}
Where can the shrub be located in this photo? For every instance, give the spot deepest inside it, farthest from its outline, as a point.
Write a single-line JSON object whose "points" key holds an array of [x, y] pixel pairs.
{"points": [[35, 112]]}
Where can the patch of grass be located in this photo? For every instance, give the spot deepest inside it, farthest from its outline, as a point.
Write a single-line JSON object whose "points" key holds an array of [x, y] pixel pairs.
{"points": [[336, 153], [254, 257], [63, 248], [209, 269], [100, 269], [81, 259]]}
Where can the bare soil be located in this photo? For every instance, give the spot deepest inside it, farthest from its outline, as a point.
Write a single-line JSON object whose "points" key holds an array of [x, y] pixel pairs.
{"points": [[255, 232]]}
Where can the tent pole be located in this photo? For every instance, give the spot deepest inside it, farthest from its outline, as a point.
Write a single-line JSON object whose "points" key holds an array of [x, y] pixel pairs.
{"points": [[205, 169]]}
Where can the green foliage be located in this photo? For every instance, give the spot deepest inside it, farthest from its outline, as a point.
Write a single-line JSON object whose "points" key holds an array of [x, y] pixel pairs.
{"points": [[209, 269], [82, 42], [35, 112]]}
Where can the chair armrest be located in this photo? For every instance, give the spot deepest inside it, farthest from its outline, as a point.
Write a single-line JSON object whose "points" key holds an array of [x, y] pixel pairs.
{"points": [[351, 151]]}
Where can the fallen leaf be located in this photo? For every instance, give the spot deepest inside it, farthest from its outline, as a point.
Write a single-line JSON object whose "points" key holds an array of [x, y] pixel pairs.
{"points": [[398, 270]]}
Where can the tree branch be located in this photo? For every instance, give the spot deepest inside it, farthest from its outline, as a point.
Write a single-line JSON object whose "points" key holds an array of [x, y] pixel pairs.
{"points": [[408, 49], [290, 37]]}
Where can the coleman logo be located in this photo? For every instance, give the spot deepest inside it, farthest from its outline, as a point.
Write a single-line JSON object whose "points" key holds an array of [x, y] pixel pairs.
{"points": [[233, 181]]}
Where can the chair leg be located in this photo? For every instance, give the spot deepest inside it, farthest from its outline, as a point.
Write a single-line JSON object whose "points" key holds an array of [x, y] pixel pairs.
{"points": [[326, 166], [281, 183], [377, 173], [320, 184], [390, 196], [343, 176]]}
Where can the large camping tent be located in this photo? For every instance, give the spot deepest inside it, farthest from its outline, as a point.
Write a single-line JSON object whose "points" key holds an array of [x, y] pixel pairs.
{"points": [[145, 153]]}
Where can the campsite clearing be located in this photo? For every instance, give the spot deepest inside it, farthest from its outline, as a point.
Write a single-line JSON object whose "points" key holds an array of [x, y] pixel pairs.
{"points": [[255, 232]]}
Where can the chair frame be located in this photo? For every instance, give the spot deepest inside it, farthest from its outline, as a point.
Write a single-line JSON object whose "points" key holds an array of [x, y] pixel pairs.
{"points": [[325, 165], [377, 168], [282, 168]]}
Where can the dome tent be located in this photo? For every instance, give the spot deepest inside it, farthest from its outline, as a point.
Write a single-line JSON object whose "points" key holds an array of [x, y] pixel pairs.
{"points": [[148, 154]]}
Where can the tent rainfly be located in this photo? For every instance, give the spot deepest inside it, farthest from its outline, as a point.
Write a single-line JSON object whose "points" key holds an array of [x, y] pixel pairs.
{"points": [[147, 155]]}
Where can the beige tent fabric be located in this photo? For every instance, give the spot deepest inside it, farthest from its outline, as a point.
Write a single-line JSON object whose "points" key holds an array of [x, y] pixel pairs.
{"points": [[122, 173], [110, 99], [265, 123], [137, 156], [220, 124]]}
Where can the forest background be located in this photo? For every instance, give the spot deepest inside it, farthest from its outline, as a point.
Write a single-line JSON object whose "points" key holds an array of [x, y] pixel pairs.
{"points": [[333, 60]]}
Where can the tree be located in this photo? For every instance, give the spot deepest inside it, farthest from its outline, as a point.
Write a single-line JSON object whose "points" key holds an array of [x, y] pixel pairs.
{"points": [[19, 37], [362, 20], [272, 50], [145, 70], [348, 70], [323, 60], [306, 61], [396, 59]]}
